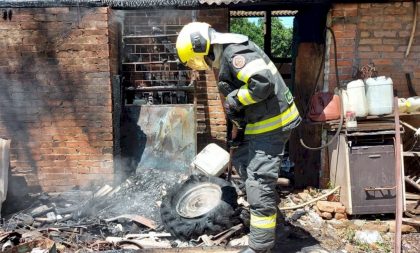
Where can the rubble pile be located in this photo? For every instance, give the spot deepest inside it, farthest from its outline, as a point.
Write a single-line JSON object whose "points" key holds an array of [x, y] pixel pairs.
{"points": [[106, 219], [327, 222], [127, 217]]}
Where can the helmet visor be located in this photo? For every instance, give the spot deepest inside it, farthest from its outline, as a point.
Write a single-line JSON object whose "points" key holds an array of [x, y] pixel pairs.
{"points": [[197, 63]]}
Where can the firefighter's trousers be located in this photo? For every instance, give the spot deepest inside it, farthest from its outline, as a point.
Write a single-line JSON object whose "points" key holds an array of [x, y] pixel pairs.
{"points": [[260, 156]]}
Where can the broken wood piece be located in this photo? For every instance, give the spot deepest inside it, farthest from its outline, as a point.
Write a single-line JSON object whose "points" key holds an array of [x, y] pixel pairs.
{"points": [[137, 218], [411, 221], [219, 239], [310, 201], [40, 210], [141, 243], [124, 243], [43, 243], [148, 235], [103, 191], [412, 196]]}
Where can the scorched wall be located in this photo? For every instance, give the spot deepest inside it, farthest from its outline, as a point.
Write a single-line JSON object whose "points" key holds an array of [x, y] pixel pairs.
{"points": [[55, 96]]}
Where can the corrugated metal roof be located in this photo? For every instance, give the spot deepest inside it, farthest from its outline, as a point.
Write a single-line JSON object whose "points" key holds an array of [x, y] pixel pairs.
{"points": [[151, 3], [47, 3], [120, 3], [219, 2], [278, 13]]}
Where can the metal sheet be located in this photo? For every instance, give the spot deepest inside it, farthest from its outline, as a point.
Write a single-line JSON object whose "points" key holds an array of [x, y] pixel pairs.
{"points": [[167, 136]]}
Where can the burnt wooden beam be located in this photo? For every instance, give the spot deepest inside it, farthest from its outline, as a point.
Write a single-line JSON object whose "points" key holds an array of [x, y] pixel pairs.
{"points": [[267, 33]]}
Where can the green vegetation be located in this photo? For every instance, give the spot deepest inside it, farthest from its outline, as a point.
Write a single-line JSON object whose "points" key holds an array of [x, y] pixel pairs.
{"points": [[281, 37]]}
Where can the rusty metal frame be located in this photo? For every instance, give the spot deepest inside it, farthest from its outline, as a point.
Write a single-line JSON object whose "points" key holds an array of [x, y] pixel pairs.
{"points": [[398, 180]]}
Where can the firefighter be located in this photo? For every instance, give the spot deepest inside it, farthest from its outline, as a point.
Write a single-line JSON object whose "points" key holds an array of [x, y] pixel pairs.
{"points": [[256, 99]]}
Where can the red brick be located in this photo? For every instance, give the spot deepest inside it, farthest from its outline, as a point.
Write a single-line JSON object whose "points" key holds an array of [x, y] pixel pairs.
{"points": [[382, 61], [383, 48], [350, 12], [381, 34], [370, 41], [365, 34], [403, 34]]}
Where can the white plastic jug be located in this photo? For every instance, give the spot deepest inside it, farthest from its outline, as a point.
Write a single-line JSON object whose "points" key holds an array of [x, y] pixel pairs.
{"points": [[356, 98], [413, 104], [380, 95], [212, 160]]}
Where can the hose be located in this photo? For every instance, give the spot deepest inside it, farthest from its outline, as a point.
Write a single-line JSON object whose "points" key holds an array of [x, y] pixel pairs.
{"points": [[339, 94]]}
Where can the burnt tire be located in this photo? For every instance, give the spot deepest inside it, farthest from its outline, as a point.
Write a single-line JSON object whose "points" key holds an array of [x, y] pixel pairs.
{"points": [[221, 213]]}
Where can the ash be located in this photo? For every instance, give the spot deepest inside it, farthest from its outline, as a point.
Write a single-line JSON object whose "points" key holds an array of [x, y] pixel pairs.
{"points": [[141, 194]]}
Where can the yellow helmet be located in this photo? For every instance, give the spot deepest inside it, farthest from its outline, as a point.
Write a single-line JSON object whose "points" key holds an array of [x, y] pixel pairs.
{"points": [[193, 44]]}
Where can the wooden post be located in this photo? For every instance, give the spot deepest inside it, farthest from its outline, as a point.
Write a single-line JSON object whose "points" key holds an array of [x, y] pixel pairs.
{"points": [[307, 162], [267, 33]]}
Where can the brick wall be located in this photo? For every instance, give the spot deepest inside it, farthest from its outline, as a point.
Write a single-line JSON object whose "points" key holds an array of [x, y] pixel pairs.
{"points": [[208, 95], [211, 125], [376, 33], [55, 96]]}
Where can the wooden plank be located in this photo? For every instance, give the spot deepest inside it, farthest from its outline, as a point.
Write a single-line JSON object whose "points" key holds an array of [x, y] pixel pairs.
{"points": [[307, 162], [137, 218], [412, 221]]}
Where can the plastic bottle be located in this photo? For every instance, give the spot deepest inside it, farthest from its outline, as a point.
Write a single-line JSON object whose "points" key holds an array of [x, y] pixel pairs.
{"points": [[413, 104], [402, 105]]}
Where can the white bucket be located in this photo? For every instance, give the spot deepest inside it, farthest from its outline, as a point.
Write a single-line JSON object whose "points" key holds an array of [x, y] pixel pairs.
{"points": [[380, 95], [211, 161]]}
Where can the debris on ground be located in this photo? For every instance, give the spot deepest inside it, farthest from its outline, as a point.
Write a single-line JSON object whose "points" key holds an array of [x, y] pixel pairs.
{"points": [[127, 217], [110, 218], [326, 221]]}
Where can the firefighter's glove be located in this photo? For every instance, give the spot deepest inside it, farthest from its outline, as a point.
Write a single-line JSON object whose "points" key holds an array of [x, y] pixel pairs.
{"points": [[237, 118], [224, 88], [232, 101], [238, 140]]}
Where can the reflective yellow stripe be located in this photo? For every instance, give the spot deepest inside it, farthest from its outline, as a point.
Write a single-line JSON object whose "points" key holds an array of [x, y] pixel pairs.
{"points": [[250, 69], [272, 68], [273, 123], [244, 96], [263, 221]]}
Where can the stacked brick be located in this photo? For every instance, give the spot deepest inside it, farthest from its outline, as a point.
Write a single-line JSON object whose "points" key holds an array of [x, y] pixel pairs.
{"points": [[55, 95], [376, 33], [208, 94]]}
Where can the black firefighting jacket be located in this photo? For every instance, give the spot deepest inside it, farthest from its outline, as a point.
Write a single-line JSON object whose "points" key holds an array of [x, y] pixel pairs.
{"points": [[260, 89]]}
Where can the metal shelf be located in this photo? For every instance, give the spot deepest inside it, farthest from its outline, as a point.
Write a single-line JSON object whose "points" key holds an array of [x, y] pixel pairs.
{"points": [[150, 62], [158, 71], [149, 36], [149, 44], [163, 88]]}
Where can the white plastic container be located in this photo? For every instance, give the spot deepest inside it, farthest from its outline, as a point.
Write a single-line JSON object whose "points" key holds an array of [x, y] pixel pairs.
{"points": [[356, 98], [380, 95], [211, 161], [413, 104]]}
